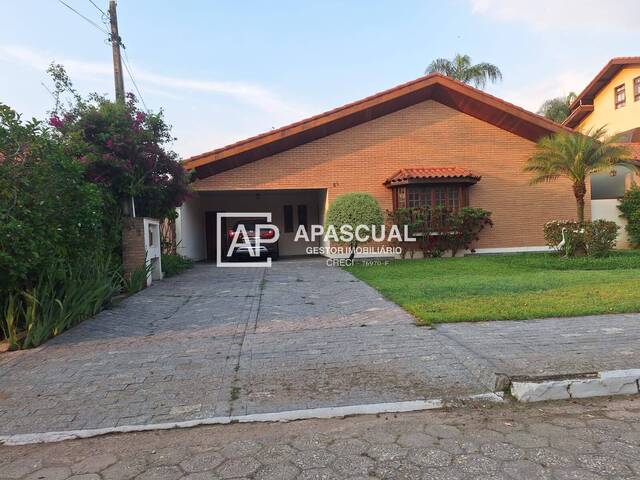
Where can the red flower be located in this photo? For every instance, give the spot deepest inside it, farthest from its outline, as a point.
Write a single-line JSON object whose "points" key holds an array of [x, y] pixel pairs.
{"points": [[56, 122]]}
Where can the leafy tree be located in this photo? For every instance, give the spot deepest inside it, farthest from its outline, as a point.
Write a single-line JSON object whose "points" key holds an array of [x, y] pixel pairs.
{"points": [[48, 212], [576, 156], [124, 149], [461, 68], [353, 209], [557, 109]]}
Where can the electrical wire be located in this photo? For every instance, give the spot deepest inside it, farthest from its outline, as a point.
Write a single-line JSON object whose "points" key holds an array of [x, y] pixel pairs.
{"points": [[83, 17], [130, 73], [125, 60], [104, 14]]}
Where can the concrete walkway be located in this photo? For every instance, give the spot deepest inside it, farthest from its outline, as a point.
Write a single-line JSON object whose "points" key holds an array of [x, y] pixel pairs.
{"points": [[218, 342], [586, 440]]}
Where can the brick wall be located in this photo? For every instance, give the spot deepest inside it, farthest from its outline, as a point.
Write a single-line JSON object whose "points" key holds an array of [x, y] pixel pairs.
{"points": [[428, 134], [133, 248]]}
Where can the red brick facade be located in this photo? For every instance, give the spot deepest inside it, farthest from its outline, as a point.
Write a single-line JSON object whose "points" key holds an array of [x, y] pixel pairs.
{"points": [[428, 134], [133, 247]]}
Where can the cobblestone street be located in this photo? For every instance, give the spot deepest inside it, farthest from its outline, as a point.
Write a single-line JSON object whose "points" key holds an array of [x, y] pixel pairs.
{"points": [[582, 440]]}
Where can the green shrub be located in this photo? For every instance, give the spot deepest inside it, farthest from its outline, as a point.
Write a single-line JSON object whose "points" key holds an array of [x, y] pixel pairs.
{"points": [[48, 211], [173, 264], [600, 237], [353, 209], [595, 238], [630, 208], [438, 229]]}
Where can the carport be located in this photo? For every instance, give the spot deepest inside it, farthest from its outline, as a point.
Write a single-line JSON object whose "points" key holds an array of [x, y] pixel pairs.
{"points": [[196, 228]]}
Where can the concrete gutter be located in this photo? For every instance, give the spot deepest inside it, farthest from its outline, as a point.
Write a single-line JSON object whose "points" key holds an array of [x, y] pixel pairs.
{"points": [[287, 416]]}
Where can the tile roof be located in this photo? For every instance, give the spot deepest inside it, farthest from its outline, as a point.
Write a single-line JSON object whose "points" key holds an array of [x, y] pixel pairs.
{"points": [[430, 173], [579, 107], [439, 88]]}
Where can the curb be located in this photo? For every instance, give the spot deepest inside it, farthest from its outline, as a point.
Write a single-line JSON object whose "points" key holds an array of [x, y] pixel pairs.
{"points": [[287, 416], [605, 383]]}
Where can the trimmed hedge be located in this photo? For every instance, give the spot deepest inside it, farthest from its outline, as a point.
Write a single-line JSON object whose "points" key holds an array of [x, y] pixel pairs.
{"points": [[595, 238]]}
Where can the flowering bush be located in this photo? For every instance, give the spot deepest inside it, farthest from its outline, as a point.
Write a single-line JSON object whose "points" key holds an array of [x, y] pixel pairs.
{"points": [[573, 238], [438, 229], [123, 149]]}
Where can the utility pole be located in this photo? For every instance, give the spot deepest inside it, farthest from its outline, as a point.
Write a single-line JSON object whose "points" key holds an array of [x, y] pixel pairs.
{"points": [[115, 47]]}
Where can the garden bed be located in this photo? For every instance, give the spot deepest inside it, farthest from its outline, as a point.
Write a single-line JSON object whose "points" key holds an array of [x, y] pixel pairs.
{"points": [[508, 287]]}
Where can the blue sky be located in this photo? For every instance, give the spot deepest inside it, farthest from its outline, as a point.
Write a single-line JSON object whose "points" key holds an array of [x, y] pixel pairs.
{"points": [[226, 70]]}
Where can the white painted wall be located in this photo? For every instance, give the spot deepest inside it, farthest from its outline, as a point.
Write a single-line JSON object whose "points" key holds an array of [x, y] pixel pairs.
{"points": [[190, 234], [608, 210]]}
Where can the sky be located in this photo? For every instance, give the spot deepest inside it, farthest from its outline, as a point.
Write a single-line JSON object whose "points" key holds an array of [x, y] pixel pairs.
{"points": [[226, 70]]}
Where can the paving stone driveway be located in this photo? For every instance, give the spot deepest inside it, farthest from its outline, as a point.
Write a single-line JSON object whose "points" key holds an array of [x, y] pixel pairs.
{"points": [[215, 342]]}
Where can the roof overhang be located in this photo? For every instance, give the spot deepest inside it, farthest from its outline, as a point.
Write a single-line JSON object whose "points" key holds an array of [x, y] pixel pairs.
{"points": [[411, 176], [439, 88], [602, 79]]}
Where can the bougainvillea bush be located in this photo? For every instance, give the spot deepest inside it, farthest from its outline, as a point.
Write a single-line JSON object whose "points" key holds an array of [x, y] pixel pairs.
{"points": [[124, 150]]}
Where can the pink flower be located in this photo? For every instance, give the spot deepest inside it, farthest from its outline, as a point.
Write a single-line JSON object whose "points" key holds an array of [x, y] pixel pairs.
{"points": [[109, 143], [56, 122], [140, 117]]}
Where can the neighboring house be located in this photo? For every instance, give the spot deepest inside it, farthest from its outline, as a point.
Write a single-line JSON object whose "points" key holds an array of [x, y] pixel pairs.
{"points": [[429, 141], [611, 100]]}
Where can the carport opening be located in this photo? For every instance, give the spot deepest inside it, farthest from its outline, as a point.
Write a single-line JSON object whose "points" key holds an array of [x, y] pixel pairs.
{"points": [[289, 209]]}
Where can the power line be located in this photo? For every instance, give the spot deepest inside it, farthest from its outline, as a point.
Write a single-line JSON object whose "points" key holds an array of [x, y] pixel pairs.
{"points": [[135, 85], [99, 9], [117, 40], [83, 17]]}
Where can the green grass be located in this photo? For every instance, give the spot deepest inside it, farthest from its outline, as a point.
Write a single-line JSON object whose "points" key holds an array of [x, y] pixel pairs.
{"points": [[508, 287]]}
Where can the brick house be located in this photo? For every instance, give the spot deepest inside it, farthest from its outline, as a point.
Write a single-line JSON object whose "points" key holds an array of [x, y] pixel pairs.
{"points": [[431, 140]]}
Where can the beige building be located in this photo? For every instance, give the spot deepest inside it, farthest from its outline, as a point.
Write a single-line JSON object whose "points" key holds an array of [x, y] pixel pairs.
{"points": [[611, 100]]}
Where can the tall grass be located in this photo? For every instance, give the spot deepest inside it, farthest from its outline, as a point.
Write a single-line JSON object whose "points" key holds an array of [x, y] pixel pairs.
{"points": [[137, 279], [62, 297]]}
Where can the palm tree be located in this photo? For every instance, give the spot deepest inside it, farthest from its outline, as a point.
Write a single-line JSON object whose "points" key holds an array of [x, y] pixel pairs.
{"points": [[576, 156], [460, 68], [557, 109]]}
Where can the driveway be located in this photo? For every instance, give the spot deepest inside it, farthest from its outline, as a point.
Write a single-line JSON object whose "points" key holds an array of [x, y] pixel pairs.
{"points": [[216, 342], [235, 341]]}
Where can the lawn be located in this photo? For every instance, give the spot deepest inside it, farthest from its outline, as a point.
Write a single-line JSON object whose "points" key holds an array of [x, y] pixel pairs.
{"points": [[508, 287]]}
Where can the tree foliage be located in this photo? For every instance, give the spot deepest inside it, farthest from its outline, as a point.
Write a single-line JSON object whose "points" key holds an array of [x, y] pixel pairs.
{"points": [[575, 156], [630, 208], [557, 109], [124, 149], [461, 68], [47, 209]]}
